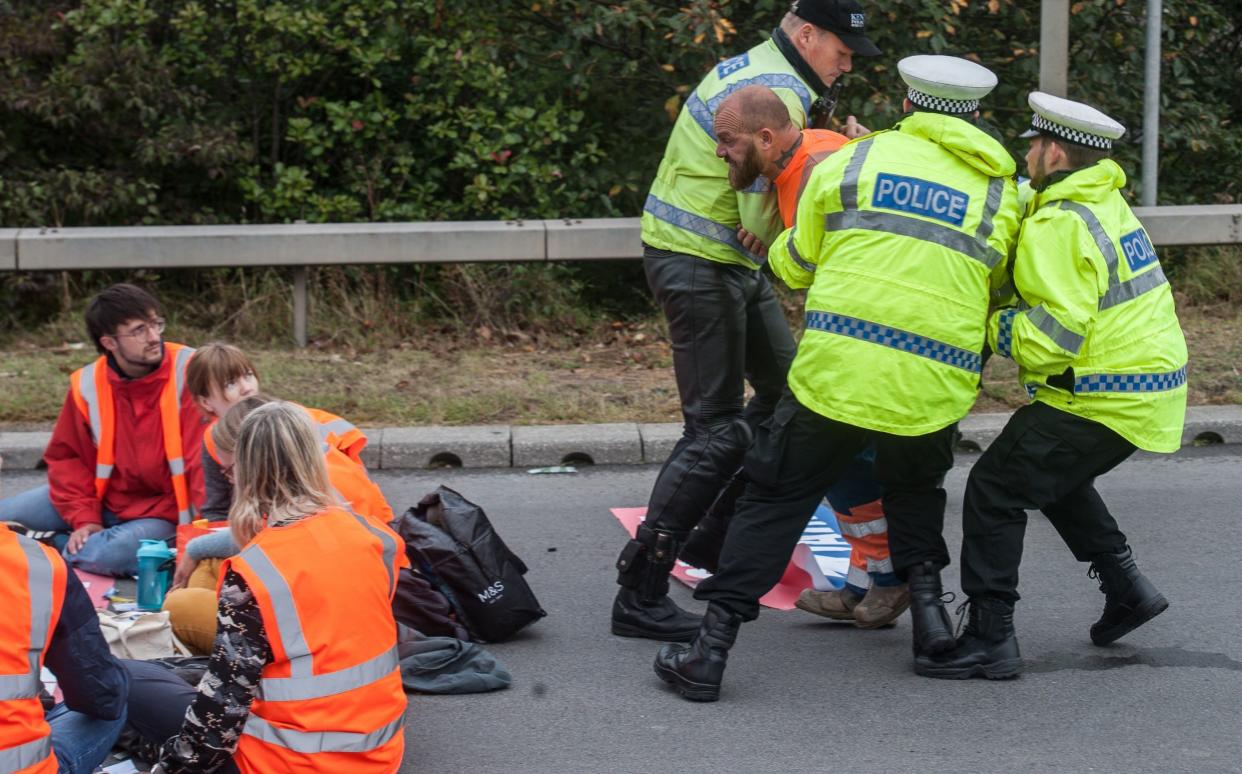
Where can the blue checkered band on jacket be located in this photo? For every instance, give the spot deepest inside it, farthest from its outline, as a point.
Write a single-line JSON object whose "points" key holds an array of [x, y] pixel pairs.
{"points": [[1004, 333], [1131, 382], [895, 338], [940, 104], [1067, 133]]}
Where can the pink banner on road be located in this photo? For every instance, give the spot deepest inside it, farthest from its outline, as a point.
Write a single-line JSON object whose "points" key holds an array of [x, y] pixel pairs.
{"points": [[96, 586], [822, 568]]}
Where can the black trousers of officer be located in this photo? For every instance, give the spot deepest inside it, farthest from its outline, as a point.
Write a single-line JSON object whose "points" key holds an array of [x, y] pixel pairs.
{"points": [[727, 328], [797, 456], [1045, 459]]}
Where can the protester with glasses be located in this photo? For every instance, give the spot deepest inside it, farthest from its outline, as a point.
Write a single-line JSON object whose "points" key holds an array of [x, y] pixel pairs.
{"points": [[123, 463]]}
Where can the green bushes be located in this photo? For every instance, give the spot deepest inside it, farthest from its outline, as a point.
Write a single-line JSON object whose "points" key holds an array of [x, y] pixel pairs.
{"points": [[124, 112]]}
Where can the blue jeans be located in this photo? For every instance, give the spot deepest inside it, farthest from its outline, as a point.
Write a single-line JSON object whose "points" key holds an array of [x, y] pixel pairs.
{"points": [[80, 741], [111, 552]]}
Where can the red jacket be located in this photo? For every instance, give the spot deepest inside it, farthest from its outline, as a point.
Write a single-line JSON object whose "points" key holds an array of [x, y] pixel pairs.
{"points": [[140, 486]]}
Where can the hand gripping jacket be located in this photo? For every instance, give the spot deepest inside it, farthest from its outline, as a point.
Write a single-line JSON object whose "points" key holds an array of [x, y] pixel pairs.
{"points": [[691, 209], [33, 576], [331, 698], [1096, 333], [92, 394], [340, 433], [901, 236]]}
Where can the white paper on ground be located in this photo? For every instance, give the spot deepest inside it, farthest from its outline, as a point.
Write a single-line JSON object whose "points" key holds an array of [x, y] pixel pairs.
{"points": [[124, 767]]}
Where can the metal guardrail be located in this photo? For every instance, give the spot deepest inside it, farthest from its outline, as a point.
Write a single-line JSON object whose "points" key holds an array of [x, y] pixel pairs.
{"points": [[303, 245]]}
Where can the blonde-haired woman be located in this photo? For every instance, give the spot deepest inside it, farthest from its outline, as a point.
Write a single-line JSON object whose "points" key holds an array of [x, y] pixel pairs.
{"points": [[304, 675]]}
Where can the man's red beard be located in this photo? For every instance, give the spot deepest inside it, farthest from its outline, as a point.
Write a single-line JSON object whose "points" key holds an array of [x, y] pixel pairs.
{"points": [[742, 175]]}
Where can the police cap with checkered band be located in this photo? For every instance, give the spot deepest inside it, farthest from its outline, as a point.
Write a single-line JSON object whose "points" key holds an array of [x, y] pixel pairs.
{"points": [[945, 84], [843, 18], [1071, 121]]}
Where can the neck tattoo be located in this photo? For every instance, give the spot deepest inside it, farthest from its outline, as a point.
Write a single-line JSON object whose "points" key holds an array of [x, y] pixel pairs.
{"points": [[788, 153]]}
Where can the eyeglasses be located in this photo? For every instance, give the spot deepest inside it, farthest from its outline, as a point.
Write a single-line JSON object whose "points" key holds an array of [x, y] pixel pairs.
{"points": [[144, 330]]}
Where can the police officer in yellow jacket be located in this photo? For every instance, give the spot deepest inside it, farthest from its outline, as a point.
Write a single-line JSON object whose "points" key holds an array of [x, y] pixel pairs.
{"points": [[725, 322], [1100, 350], [901, 236]]}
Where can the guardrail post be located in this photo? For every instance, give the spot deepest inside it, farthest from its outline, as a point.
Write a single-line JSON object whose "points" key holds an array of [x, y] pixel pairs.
{"points": [[1054, 46], [299, 305]]}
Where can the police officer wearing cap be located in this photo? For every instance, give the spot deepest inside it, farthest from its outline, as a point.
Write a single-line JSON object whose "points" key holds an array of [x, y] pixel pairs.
{"points": [[725, 322], [1099, 348], [900, 237]]}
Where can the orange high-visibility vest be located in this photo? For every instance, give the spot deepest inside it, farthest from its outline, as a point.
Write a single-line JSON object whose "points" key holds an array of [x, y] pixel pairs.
{"points": [[33, 577], [340, 433], [331, 698], [355, 488], [817, 145], [866, 530], [92, 394]]}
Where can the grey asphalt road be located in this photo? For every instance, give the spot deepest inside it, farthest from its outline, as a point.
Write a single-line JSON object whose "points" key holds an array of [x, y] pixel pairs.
{"points": [[803, 694]]}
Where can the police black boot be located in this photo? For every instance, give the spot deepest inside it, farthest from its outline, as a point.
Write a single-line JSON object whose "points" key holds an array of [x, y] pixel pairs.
{"points": [[1130, 600], [987, 648], [703, 547], [697, 669], [642, 607], [933, 632]]}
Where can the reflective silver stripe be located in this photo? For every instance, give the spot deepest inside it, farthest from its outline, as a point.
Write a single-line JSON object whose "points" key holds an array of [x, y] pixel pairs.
{"points": [[177, 466], [183, 361], [793, 253], [103, 471], [858, 578], [287, 621], [25, 755], [23, 686], [338, 426], [1102, 240], [863, 529], [996, 187], [697, 224], [1063, 337], [926, 231], [322, 741], [330, 683], [1133, 288], [390, 549], [849, 180], [86, 385], [881, 565], [39, 582]]}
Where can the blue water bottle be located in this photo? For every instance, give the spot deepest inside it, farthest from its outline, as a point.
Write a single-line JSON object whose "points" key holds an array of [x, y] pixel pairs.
{"points": [[155, 566]]}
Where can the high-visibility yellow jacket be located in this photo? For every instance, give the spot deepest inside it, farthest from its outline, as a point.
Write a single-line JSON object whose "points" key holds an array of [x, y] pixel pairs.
{"points": [[1095, 300], [901, 236], [691, 208]]}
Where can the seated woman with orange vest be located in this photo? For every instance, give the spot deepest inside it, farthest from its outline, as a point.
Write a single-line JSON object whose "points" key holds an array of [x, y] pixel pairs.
{"points": [[304, 673], [192, 602], [218, 376]]}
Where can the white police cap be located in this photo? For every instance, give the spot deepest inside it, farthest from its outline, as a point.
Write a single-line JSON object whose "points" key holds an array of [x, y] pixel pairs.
{"points": [[1071, 121], [946, 84]]}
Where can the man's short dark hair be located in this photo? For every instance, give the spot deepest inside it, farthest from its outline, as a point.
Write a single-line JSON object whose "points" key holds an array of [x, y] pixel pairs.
{"points": [[115, 306], [1079, 156]]}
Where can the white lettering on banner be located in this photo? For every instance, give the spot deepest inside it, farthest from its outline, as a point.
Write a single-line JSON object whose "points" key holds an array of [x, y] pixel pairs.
{"points": [[1139, 250], [492, 592], [920, 197]]}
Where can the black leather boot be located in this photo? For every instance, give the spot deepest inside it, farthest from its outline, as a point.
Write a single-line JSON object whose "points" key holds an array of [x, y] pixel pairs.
{"points": [[933, 632], [642, 607], [697, 669], [987, 648], [1130, 600]]}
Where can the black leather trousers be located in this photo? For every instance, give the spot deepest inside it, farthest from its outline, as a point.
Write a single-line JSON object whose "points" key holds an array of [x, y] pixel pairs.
{"points": [[727, 328]]}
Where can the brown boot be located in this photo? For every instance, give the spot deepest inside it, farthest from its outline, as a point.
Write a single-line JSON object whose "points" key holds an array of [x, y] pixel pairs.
{"points": [[838, 605], [881, 606]]}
